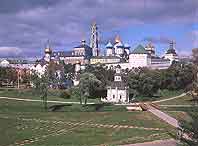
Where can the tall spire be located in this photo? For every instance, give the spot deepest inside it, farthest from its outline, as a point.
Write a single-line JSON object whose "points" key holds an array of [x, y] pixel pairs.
{"points": [[172, 44], [94, 39]]}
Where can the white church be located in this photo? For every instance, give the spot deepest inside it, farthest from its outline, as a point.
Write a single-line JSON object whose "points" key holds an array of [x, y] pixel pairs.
{"points": [[118, 91]]}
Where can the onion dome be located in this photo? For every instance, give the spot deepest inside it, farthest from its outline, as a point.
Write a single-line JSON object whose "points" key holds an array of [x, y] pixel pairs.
{"points": [[83, 42], [126, 46], [117, 39], [77, 62], [109, 45], [120, 45], [48, 51], [171, 51], [149, 45], [47, 48]]}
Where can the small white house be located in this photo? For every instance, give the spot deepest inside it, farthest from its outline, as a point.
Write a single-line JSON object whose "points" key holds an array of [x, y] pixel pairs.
{"points": [[4, 63], [118, 91]]}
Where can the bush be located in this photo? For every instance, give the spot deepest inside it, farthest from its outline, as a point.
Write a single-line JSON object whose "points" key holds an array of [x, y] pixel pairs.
{"points": [[88, 108], [65, 95]]}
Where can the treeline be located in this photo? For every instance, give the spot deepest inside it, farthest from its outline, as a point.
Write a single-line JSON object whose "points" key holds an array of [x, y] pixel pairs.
{"points": [[144, 82], [10, 76]]}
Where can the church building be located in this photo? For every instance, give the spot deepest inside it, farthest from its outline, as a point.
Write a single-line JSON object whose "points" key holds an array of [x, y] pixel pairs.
{"points": [[118, 91]]}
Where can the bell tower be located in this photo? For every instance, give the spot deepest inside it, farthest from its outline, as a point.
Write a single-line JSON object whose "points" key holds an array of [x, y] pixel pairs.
{"points": [[48, 52], [94, 39]]}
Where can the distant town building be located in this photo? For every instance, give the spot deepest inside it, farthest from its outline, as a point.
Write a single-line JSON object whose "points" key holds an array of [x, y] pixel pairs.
{"points": [[118, 91], [4, 63], [81, 53], [17, 63]]}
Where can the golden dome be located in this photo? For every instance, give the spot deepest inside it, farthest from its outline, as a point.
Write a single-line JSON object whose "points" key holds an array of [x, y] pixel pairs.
{"points": [[117, 39], [77, 62], [48, 50]]}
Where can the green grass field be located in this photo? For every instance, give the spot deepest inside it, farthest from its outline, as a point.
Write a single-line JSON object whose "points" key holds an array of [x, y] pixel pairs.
{"points": [[53, 94], [185, 100], [26, 123]]}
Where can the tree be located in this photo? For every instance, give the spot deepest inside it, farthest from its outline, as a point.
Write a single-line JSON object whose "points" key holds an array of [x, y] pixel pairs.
{"points": [[88, 82], [195, 56], [41, 85], [144, 82], [69, 70], [75, 92], [105, 75], [178, 76], [190, 127]]}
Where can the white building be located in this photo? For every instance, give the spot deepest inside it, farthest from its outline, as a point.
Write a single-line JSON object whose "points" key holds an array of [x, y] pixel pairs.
{"points": [[139, 58], [171, 53], [118, 91], [5, 63], [105, 60]]}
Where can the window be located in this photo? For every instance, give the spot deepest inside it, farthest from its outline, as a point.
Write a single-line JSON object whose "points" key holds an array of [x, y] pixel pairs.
{"points": [[120, 96], [113, 96]]}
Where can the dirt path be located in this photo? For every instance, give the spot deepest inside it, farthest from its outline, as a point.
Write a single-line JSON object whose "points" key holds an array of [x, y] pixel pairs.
{"points": [[170, 120], [34, 100], [168, 142], [162, 100]]}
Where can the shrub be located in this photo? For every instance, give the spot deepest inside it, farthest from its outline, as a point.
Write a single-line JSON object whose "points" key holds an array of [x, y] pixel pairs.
{"points": [[65, 95]]}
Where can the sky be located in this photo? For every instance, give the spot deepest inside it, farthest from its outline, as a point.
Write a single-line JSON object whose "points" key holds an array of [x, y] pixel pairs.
{"points": [[26, 25]]}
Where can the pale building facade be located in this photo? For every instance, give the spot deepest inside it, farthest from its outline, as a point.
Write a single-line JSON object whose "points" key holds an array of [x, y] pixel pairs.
{"points": [[118, 91], [105, 60], [139, 57]]}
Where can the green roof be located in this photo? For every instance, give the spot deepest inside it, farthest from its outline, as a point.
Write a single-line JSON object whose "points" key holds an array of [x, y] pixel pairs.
{"points": [[139, 50]]}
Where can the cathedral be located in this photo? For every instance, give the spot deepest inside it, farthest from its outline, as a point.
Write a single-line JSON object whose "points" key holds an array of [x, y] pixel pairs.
{"points": [[116, 53]]}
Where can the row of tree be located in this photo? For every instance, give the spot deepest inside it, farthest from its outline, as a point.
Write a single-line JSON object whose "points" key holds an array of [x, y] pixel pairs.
{"points": [[142, 82], [190, 127]]}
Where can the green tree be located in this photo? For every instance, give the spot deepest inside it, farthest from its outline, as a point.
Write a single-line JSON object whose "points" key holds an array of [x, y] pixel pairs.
{"points": [[76, 93], [41, 84], [190, 127], [144, 82], [88, 82], [195, 56]]}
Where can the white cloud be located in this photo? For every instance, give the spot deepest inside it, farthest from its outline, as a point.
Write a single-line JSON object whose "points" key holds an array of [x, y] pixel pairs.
{"points": [[10, 51]]}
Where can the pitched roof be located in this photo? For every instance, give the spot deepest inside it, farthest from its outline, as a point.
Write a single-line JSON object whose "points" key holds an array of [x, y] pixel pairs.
{"points": [[171, 51], [83, 46], [139, 50]]}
